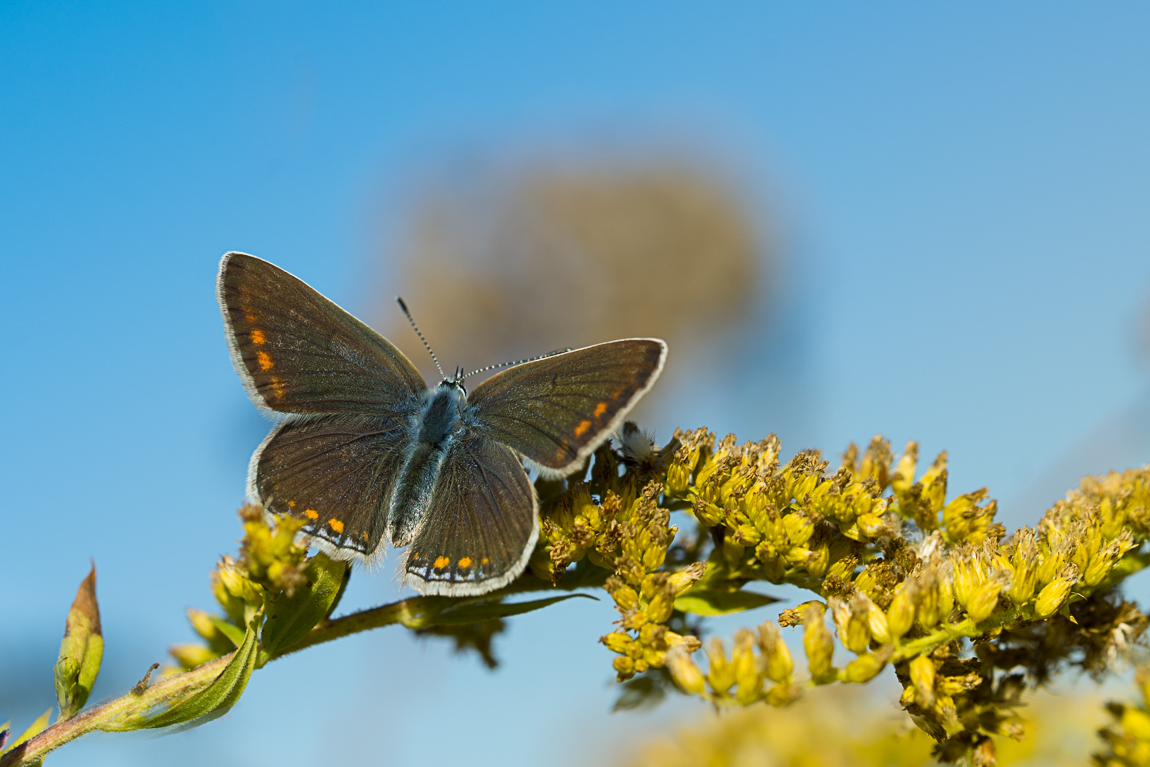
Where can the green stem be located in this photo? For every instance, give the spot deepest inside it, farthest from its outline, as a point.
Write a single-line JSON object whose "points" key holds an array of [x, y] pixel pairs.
{"points": [[98, 717], [413, 613]]}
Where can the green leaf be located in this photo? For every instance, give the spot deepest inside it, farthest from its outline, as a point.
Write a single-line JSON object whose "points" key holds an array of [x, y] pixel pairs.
{"points": [[33, 730], [487, 610], [640, 692], [214, 700], [290, 619], [720, 602], [233, 632], [80, 651]]}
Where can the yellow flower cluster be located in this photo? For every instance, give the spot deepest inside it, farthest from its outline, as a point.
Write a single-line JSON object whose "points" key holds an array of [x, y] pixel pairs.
{"points": [[271, 561], [907, 577], [1128, 738]]}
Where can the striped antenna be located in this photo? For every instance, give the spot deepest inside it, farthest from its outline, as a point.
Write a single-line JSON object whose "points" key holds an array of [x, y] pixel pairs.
{"points": [[415, 327], [518, 362]]}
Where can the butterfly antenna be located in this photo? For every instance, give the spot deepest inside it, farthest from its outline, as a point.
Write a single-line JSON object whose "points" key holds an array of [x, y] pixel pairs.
{"points": [[415, 327], [518, 362]]}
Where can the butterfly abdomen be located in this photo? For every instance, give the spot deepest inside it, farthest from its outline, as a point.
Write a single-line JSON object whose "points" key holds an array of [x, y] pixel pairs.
{"points": [[440, 427]]}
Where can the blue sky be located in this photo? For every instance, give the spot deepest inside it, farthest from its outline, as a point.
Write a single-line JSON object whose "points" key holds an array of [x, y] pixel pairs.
{"points": [[961, 191]]}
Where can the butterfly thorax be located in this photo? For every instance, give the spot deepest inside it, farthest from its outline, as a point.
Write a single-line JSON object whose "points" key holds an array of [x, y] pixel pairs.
{"points": [[440, 426]]}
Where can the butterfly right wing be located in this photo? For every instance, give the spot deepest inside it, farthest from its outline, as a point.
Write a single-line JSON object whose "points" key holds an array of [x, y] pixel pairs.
{"points": [[334, 472], [557, 410], [482, 525], [297, 352]]}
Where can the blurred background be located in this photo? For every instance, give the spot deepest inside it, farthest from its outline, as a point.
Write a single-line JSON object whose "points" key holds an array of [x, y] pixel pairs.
{"points": [[922, 221]]}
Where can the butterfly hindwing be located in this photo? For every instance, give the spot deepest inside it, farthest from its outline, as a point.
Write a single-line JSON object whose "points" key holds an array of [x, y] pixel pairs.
{"points": [[557, 410], [486, 527], [297, 352], [334, 472]]}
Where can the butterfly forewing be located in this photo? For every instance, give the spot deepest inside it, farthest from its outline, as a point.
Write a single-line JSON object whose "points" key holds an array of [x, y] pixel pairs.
{"points": [[487, 526], [334, 472], [557, 410], [298, 352]]}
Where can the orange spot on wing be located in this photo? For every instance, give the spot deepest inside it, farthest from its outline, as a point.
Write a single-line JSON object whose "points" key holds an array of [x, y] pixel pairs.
{"points": [[441, 562], [484, 561], [336, 525], [250, 317], [465, 562], [291, 504], [265, 361], [278, 387], [311, 514], [582, 428], [258, 338], [600, 409]]}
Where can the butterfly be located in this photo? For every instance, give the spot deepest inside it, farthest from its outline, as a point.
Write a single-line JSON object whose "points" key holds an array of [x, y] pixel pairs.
{"points": [[365, 451]]}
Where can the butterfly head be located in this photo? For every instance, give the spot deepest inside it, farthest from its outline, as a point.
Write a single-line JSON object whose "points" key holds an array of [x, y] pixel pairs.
{"points": [[455, 382]]}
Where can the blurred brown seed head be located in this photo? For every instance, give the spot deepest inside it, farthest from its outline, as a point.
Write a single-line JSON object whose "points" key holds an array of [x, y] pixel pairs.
{"points": [[566, 256]]}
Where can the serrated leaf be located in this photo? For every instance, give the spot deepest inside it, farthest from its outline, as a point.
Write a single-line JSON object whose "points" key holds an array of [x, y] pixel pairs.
{"points": [[290, 619], [81, 650], [214, 700], [488, 610], [717, 602], [34, 729]]}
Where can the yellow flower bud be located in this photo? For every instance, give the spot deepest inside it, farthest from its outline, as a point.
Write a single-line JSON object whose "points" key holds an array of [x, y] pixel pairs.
{"points": [[903, 476], [866, 667], [969, 574], [1054, 594], [982, 603], [618, 642], [799, 528], [779, 663], [720, 671], [624, 668], [875, 618], [900, 614], [818, 644], [749, 683], [625, 597], [202, 623], [872, 526], [685, 673], [922, 676], [1050, 566], [687, 577], [819, 561], [192, 655]]}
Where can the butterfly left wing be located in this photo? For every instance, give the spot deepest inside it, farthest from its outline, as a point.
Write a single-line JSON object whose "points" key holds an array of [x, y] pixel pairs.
{"points": [[298, 352], [334, 472], [482, 525], [556, 411]]}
